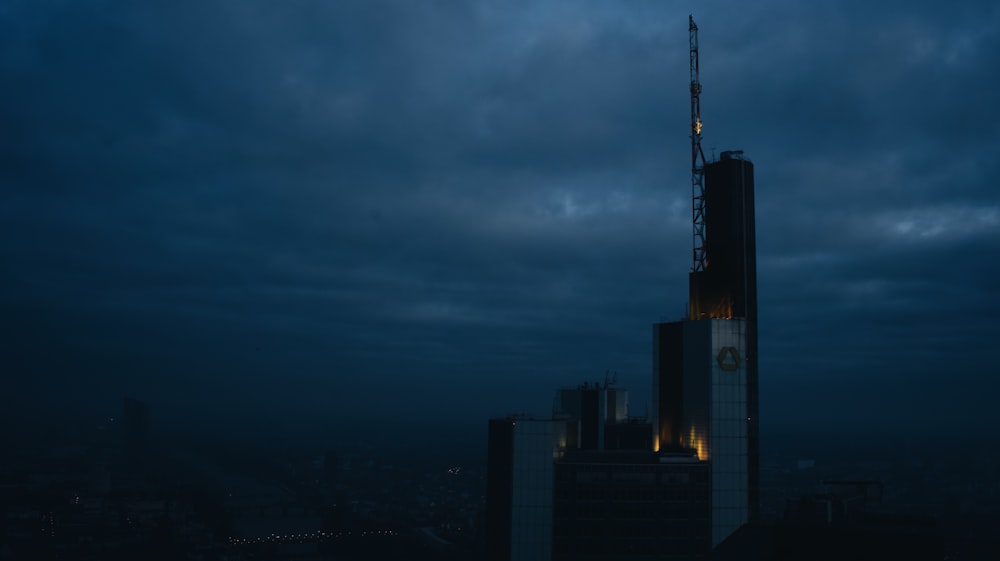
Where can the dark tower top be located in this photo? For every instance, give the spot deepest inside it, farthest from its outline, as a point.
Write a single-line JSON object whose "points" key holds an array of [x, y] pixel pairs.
{"points": [[728, 286]]}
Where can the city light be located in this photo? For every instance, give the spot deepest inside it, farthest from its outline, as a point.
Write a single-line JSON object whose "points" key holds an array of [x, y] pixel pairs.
{"points": [[318, 535], [698, 442]]}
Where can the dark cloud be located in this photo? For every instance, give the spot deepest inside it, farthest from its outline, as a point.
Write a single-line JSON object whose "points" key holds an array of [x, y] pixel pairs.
{"points": [[308, 212]]}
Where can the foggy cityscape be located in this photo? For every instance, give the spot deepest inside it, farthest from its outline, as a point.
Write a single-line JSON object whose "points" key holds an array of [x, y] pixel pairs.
{"points": [[475, 281]]}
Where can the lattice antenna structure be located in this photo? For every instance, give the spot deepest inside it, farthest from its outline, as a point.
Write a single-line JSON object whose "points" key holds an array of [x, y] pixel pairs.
{"points": [[697, 157]]}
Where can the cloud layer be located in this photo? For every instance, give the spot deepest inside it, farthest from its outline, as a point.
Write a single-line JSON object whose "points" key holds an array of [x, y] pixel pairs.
{"points": [[318, 211]]}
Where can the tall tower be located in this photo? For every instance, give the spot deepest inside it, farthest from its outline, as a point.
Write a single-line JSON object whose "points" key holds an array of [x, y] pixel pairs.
{"points": [[705, 366], [727, 287], [700, 392]]}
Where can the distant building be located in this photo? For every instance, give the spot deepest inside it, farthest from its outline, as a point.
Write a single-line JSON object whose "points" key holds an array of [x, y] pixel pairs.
{"points": [[593, 406], [602, 418], [520, 456], [333, 508], [844, 500], [849, 521], [135, 430], [331, 469]]}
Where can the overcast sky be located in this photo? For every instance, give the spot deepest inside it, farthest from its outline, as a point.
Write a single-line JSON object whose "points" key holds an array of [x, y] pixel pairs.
{"points": [[318, 213]]}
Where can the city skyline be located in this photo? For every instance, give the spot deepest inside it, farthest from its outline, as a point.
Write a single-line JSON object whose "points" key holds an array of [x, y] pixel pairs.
{"points": [[291, 215]]}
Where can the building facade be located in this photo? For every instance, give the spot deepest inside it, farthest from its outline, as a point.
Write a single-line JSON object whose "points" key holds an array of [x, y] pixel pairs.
{"points": [[727, 287], [520, 459], [635, 505], [705, 367], [700, 388]]}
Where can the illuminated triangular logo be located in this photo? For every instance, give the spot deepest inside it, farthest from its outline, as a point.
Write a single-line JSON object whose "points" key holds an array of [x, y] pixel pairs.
{"points": [[728, 358]]}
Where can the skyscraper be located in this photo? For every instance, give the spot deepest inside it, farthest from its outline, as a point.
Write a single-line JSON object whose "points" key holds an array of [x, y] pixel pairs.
{"points": [[729, 281], [700, 393], [520, 456], [594, 408], [616, 494], [727, 287], [705, 367]]}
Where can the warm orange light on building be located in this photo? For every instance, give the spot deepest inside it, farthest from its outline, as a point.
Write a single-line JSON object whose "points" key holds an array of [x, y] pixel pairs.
{"points": [[698, 442]]}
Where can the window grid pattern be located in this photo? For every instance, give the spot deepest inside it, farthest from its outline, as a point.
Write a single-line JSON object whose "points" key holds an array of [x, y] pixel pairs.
{"points": [[729, 430], [535, 442]]}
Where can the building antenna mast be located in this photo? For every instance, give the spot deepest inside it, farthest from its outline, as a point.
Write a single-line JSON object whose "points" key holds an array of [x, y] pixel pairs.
{"points": [[697, 157]]}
